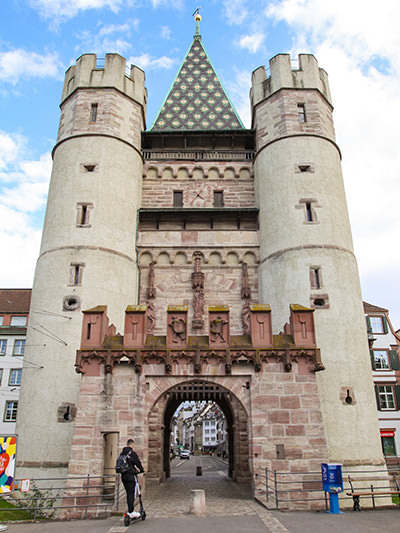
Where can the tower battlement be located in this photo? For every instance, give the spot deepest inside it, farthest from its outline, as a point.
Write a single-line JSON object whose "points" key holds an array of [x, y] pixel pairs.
{"points": [[283, 76], [87, 74]]}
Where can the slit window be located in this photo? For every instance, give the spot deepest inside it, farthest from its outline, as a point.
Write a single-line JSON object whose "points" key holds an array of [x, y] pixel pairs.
{"points": [[301, 112], [218, 199], [309, 212], [178, 199], [76, 273], [83, 212], [93, 112], [315, 277]]}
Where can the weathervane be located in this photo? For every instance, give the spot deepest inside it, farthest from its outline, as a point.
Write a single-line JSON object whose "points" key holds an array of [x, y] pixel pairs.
{"points": [[197, 18]]}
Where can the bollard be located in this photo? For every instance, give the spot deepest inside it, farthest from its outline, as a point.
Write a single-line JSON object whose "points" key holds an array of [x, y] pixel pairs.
{"points": [[198, 502]]}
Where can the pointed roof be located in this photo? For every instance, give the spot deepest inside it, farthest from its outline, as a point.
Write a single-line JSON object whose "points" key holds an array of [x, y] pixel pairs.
{"points": [[197, 100]]}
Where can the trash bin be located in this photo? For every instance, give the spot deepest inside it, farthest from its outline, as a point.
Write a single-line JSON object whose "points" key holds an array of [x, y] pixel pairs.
{"points": [[332, 482]]}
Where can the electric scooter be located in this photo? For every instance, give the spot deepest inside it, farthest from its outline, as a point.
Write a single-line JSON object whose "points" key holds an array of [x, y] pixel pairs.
{"points": [[127, 519]]}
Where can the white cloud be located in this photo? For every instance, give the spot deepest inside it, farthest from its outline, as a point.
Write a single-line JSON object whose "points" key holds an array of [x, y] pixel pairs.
{"points": [[239, 91], [357, 43], [235, 11], [19, 63], [23, 191], [165, 32], [66, 9], [102, 41], [252, 42], [148, 62]]}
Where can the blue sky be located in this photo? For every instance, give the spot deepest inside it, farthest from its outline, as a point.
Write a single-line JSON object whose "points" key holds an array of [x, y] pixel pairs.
{"points": [[357, 42]]}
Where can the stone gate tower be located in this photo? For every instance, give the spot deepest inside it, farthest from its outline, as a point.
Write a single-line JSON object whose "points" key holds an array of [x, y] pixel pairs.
{"points": [[88, 251], [229, 251]]}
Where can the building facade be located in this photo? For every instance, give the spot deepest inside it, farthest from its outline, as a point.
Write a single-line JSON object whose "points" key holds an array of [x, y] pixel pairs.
{"points": [[384, 349], [14, 312], [223, 257]]}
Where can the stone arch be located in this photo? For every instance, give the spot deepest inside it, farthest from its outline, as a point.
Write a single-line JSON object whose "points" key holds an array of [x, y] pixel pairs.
{"points": [[232, 258], [215, 259], [250, 258], [167, 173], [244, 173], [145, 258], [183, 173], [229, 173], [198, 173], [163, 259], [152, 173], [180, 258], [213, 173], [199, 388]]}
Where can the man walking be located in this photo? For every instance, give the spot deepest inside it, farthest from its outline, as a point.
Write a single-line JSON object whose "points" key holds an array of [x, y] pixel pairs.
{"points": [[128, 477]]}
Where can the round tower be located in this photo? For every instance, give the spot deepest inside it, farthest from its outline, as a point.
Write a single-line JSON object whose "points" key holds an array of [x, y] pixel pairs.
{"points": [[306, 251], [88, 250]]}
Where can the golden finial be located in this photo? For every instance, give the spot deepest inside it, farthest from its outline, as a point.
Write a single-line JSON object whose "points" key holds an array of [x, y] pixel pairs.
{"points": [[197, 18]]}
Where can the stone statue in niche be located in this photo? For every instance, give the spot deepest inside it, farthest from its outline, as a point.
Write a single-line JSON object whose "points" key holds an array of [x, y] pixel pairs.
{"points": [[246, 291], [151, 318], [178, 326], [198, 292], [151, 290], [217, 328], [246, 318]]}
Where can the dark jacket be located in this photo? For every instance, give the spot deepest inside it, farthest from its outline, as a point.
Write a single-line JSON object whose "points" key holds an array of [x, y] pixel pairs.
{"points": [[134, 463]]}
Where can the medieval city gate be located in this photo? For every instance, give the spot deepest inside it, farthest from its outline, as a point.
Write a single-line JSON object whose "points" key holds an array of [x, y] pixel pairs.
{"points": [[200, 389]]}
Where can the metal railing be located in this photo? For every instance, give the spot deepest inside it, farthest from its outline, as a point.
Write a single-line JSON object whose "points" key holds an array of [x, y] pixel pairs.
{"points": [[77, 496], [199, 155], [297, 489]]}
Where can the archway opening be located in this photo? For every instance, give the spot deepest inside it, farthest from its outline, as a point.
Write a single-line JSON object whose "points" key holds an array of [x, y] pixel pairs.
{"points": [[201, 393]]}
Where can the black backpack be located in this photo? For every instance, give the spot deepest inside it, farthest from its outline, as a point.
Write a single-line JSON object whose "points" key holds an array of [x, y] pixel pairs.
{"points": [[122, 466]]}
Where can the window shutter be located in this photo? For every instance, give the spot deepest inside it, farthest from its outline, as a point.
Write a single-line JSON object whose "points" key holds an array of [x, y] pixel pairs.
{"points": [[385, 325], [377, 397], [394, 360], [397, 394], [369, 329], [371, 353]]}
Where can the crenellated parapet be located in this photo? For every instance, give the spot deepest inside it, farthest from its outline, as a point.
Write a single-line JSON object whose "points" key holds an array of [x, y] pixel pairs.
{"points": [[282, 76], [87, 73], [177, 352]]}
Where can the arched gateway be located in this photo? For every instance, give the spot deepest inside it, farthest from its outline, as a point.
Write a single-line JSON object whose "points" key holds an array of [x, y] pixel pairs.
{"points": [[234, 411], [264, 384]]}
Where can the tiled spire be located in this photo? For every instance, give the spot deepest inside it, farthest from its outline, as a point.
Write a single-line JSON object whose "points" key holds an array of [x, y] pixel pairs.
{"points": [[197, 99]]}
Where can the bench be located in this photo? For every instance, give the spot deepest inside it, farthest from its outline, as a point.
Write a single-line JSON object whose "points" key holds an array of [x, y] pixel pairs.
{"points": [[392, 489]]}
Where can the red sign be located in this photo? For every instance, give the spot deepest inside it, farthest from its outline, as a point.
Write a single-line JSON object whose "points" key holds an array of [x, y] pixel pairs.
{"points": [[387, 433]]}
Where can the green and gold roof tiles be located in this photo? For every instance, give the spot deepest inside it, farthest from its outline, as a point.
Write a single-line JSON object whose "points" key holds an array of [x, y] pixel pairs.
{"points": [[197, 100]]}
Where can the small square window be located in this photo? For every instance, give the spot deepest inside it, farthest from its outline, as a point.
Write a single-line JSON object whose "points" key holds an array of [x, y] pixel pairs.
{"points": [[18, 321], [19, 347], [93, 112], [3, 347], [10, 413], [376, 324], [15, 376], [178, 199], [382, 360]]}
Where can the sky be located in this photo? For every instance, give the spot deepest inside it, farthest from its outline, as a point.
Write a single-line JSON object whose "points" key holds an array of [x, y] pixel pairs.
{"points": [[356, 41]]}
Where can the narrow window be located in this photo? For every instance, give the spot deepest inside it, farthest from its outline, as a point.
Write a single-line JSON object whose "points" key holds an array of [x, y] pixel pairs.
{"points": [[218, 199], [83, 212], [76, 272], [10, 413], [315, 278], [1, 375], [93, 113], [89, 330], [178, 199], [15, 376], [3, 347], [309, 213], [1, 320], [19, 347], [301, 111]]}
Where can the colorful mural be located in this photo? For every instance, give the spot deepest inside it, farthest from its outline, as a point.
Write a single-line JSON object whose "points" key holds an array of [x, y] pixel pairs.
{"points": [[8, 446]]}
